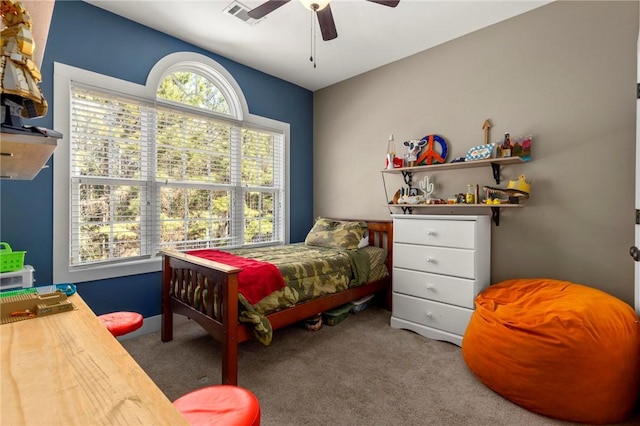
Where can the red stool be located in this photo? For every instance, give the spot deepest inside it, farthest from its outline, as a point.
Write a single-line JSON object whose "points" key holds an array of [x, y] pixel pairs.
{"points": [[220, 405], [121, 323]]}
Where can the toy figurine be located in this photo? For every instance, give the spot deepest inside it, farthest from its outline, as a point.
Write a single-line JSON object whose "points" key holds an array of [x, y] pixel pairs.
{"points": [[505, 148], [19, 75], [517, 190], [414, 147]]}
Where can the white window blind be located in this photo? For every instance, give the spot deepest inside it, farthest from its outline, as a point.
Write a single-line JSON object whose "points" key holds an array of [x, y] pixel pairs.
{"points": [[109, 177], [146, 176], [262, 179]]}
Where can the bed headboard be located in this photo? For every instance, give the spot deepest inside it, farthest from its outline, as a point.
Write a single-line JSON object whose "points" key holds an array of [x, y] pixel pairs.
{"points": [[380, 235]]}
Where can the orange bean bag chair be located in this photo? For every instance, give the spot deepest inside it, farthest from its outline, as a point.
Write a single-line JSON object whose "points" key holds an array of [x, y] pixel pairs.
{"points": [[556, 348]]}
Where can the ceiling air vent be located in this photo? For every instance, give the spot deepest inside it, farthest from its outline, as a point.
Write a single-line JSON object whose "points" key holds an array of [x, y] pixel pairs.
{"points": [[241, 12]]}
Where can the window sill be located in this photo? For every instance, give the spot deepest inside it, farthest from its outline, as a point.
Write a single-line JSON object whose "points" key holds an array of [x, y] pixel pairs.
{"points": [[114, 270]]}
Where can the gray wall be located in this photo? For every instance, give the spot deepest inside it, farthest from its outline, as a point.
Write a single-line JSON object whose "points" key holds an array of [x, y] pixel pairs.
{"points": [[564, 73]]}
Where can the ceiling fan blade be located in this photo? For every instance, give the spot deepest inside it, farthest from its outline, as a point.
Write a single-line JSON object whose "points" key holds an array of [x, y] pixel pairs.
{"points": [[386, 3], [266, 8], [327, 24]]}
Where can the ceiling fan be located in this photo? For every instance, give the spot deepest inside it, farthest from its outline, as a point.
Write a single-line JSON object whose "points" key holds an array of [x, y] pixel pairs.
{"points": [[322, 8]]}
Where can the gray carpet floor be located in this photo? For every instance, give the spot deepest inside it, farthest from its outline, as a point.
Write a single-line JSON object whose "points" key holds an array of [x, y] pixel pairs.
{"points": [[358, 372]]}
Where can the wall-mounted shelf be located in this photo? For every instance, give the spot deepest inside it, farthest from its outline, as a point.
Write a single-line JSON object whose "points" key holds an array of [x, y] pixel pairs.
{"points": [[22, 156], [495, 209], [494, 163]]}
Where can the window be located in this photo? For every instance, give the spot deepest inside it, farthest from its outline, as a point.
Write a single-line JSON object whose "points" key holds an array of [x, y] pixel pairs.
{"points": [[172, 164], [191, 88]]}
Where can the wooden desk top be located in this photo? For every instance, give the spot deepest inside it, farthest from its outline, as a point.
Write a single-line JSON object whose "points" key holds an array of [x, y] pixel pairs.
{"points": [[67, 369]]}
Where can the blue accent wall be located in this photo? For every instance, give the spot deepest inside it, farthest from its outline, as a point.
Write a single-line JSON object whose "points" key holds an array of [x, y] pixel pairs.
{"points": [[87, 37]]}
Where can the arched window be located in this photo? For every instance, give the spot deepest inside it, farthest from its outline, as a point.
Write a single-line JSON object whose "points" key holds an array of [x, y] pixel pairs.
{"points": [[177, 163], [193, 89], [197, 81]]}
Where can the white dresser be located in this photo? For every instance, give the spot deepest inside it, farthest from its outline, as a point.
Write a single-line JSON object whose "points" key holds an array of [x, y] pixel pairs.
{"points": [[440, 264]]}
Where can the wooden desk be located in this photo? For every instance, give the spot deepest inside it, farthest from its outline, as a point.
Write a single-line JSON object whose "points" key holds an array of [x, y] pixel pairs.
{"points": [[67, 369]]}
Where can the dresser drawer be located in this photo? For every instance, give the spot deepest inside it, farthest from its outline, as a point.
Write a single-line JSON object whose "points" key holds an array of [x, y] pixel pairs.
{"points": [[452, 319], [440, 288], [442, 233], [439, 260]]}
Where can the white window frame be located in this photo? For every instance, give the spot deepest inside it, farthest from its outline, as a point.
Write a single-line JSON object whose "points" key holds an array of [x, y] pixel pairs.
{"points": [[63, 77]]}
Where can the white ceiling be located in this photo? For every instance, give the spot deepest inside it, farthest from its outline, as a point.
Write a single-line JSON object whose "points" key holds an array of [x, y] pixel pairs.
{"points": [[369, 35]]}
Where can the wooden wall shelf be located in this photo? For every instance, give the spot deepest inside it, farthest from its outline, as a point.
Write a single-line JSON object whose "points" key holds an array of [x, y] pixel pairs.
{"points": [[495, 209], [22, 156], [494, 163]]}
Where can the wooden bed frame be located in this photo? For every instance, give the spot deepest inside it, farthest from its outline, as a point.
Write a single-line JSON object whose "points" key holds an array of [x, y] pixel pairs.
{"points": [[189, 272]]}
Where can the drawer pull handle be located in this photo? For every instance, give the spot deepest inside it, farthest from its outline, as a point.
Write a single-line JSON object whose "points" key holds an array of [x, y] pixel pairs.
{"points": [[429, 287], [431, 260], [429, 315], [431, 233]]}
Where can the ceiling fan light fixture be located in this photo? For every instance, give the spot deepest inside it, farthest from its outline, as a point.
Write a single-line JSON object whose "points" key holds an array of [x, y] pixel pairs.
{"points": [[315, 5]]}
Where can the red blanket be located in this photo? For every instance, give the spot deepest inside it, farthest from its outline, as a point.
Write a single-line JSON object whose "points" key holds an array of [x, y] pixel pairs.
{"points": [[257, 278]]}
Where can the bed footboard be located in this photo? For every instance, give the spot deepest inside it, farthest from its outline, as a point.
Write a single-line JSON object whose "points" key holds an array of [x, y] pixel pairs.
{"points": [[206, 292]]}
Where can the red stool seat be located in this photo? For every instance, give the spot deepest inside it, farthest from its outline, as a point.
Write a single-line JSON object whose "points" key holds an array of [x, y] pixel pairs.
{"points": [[121, 323], [220, 405]]}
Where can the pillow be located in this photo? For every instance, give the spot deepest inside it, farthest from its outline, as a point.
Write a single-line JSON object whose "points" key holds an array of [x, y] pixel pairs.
{"points": [[336, 234], [364, 242]]}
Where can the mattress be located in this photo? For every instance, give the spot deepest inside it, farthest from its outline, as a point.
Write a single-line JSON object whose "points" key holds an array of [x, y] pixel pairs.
{"points": [[309, 272]]}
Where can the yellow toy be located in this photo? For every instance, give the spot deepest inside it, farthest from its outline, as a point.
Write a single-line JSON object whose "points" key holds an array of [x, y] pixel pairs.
{"points": [[519, 188], [19, 74]]}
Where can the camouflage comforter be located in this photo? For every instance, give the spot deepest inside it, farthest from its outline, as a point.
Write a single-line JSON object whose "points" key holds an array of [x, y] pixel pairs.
{"points": [[309, 272]]}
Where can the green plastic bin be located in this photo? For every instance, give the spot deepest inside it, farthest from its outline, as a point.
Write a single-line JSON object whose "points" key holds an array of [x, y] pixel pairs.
{"points": [[10, 260]]}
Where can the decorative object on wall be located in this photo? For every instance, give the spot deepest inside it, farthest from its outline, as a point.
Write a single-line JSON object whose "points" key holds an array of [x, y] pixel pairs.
{"points": [[391, 152], [398, 162], [426, 186], [480, 152], [435, 152], [515, 147], [395, 198], [41, 13], [20, 77], [486, 126], [520, 185], [414, 146], [470, 196], [408, 195], [521, 147], [24, 149], [504, 149], [517, 190], [393, 160]]}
